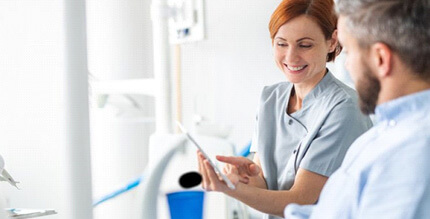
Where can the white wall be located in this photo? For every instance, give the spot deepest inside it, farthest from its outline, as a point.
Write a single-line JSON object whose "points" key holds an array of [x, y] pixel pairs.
{"points": [[119, 39], [223, 75], [119, 47], [31, 135], [31, 68]]}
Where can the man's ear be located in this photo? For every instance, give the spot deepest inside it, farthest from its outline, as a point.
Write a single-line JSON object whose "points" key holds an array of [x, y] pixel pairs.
{"points": [[381, 57]]}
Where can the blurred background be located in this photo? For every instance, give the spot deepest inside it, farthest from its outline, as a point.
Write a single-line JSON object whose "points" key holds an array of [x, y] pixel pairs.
{"points": [[221, 77]]}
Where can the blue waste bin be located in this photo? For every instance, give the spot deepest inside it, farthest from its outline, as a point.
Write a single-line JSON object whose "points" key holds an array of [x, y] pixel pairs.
{"points": [[186, 204]]}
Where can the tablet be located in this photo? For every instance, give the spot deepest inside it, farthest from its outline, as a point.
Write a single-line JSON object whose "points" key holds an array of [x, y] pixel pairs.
{"points": [[224, 177]]}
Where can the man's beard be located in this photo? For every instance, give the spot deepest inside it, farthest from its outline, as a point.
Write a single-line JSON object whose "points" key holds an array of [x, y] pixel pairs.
{"points": [[368, 88]]}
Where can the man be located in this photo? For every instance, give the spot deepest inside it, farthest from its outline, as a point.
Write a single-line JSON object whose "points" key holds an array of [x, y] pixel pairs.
{"points": [[385, 173]]}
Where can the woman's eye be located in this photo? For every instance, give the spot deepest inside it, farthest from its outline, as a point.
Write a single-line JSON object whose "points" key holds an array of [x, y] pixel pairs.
{"points": [[281, 44], [305, 46]]}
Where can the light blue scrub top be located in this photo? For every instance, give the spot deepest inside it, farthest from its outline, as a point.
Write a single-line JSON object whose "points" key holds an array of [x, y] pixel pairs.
{"points": [[386, 172], [314, 138]]}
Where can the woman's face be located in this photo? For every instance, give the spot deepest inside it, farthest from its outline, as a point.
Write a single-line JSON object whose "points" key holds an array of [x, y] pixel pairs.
{"points": [[301, 49]]}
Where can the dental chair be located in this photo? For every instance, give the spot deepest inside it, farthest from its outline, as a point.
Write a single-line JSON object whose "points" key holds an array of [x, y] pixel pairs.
{"points": [[170, 156]]}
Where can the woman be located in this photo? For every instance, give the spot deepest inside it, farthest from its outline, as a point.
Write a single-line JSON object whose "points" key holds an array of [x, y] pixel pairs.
{"points": [[304, 126]]}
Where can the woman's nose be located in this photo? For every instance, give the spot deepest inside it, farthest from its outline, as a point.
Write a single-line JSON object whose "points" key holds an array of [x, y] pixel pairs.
{"points": [[292, 55]]}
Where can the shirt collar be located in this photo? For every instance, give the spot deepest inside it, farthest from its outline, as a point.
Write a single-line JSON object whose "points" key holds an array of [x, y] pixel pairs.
{"points": [[319, 89], [402, 106]]}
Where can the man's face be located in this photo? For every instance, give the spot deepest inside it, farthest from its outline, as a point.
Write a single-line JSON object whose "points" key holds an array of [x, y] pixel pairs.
{"points": [[366, 83]]}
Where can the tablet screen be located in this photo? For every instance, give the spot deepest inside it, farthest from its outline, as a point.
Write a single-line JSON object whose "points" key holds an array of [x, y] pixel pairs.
{"points": [[224, 177]]}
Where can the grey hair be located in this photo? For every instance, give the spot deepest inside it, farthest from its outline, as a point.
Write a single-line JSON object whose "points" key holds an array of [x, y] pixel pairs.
{"points": [[403, 25]]}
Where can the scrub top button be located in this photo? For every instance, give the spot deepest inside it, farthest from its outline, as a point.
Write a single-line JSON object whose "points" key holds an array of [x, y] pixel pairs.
{"points": [[290, 122]]}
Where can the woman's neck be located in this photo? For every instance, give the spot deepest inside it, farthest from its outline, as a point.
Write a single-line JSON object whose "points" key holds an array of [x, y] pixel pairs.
{"points": [[300, 90], [295, 102]]}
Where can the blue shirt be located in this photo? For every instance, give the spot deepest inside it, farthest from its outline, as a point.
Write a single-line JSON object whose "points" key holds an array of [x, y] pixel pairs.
{"points": [[386, 172]]}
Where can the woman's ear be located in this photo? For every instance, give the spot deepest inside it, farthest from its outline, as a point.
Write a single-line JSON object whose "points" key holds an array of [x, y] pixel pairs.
{"points": [[333, 41]]}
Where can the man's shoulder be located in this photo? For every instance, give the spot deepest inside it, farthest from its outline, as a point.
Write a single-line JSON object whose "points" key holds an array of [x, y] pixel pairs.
{"points": [[384, 147], [407, 142]]}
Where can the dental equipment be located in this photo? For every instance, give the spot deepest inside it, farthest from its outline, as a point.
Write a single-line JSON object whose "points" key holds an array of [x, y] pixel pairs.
{"points": [[1, 164], [5, 176], [224, 177], [187, 180], [148, 192], [246, 150], [129, 186], [190, 179], [135, 182], [20, 213]]}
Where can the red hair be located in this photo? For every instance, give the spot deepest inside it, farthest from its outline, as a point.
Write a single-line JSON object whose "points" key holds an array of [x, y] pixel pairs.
{"points": [[321, 11]]}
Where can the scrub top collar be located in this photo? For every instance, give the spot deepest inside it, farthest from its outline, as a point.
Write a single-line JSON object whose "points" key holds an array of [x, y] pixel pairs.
{"points": [[396, 109], [319, 90]]}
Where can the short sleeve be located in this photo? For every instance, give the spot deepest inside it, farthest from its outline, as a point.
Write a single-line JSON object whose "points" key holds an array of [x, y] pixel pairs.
{"points": [[254, 141], [342, 126]]}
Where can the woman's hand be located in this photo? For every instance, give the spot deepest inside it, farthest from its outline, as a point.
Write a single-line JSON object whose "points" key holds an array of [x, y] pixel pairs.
{"points": [[237, 169], [240, 168], [211, 180]]}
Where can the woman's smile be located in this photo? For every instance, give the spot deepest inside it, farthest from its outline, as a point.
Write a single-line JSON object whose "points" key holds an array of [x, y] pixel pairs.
{"points": [[297, 69]]}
